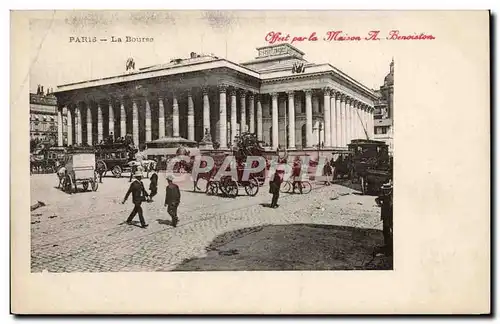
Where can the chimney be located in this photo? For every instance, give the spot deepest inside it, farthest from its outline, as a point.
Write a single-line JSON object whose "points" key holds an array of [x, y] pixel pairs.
{"points": [[193, 55]]}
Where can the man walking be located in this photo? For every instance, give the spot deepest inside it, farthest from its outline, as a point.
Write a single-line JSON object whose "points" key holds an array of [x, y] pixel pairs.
{"points": [[139, 195], [153, 185], [274, 188], [172, 199], [384, 201]]}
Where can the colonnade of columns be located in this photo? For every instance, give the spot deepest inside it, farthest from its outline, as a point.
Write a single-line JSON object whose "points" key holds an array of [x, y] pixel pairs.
{"points": [[343, 118]]}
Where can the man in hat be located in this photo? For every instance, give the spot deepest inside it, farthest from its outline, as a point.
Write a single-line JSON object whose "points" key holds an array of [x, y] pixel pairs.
{"points": [[139, 195], [153, 185], [274, 187], [172, 199], [384, 201]]}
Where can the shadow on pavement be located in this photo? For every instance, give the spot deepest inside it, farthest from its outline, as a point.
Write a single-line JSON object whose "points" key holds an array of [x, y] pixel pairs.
{"points": [[292, 247], [164, 222]]}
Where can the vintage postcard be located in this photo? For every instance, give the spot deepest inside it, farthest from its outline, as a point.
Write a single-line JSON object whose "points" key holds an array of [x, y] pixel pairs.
{"points": [[250, 162]]}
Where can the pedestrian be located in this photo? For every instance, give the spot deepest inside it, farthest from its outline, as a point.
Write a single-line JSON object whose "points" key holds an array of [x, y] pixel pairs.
{"points": [[172, 199], [384, 201], [274, 188], [153, 185], [139, 195], [296, 175]]}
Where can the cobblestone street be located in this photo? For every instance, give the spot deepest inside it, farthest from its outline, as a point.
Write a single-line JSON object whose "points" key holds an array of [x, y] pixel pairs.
{"points": [[332, 227]]}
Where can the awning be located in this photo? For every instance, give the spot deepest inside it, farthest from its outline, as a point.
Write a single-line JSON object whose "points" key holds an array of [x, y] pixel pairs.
{"points": [[161, 151]]}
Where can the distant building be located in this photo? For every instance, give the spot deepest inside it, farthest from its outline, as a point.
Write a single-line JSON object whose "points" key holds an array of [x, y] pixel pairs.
{"points": [[43, 116], [384, 110]]}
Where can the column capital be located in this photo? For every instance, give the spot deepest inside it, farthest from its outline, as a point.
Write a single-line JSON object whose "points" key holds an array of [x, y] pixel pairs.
{"points": [[338, 95], [242, 93], [326, 90], [308, 92], [232, 92], [274, 95], [222, 87], [251, 95], [204, 90], [189, 92]]}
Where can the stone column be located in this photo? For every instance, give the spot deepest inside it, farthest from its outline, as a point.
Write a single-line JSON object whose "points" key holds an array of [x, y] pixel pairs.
{"points": [[353, 119], [175, 115], [135, 122], [348, 121], [79, 133], [190, 119], [123, 118], [148, 121], [222, 117], [89, 124], [259, 117], [206, 111], [338, 120], [326, 116], [345, 119], [251, 112], [291, 119], [243, 111], [333, 123], [100, 131], [309, 119], [60, 141], [70, 126], [234, 126], [370, 121], [161, 118], [274, 111], [111, 128], [315, 104]]}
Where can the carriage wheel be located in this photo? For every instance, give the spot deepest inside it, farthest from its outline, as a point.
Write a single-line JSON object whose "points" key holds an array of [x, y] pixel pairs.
{"points": [[252, 187], [286, 187], [306, 187], [364, 186], [231, 188], [85, 185], [117, 171], [212, 188], [101, 167]]}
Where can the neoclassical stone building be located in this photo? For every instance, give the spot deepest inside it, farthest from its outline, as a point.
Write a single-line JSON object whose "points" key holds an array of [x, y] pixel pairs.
{"points": [[284, 99]]}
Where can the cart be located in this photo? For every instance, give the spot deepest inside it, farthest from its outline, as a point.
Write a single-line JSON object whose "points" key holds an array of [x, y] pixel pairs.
{"points": [[80, 169]]}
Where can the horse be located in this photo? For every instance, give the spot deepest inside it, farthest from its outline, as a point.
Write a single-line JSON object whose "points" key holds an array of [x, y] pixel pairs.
{"points": [[61, 174]]}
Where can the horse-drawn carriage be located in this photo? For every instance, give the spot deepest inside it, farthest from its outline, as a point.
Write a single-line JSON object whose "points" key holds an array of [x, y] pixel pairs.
{"points": [[229, 186], [47, 159], [371, 164], [114, 157], [79, 168]]}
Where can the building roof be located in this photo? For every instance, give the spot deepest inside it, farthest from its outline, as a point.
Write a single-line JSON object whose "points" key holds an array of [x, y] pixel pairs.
{"points": [[284, 55]]}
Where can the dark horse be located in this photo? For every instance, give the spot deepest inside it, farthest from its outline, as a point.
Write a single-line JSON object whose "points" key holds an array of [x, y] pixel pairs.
{"points": [[342, 167]]}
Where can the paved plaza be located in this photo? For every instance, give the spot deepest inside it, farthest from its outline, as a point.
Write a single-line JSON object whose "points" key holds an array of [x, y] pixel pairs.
{"points": [[332, 228]]}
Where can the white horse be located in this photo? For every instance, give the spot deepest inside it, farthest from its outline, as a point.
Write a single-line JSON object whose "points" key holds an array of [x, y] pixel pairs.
{"points": [[61, 174]]}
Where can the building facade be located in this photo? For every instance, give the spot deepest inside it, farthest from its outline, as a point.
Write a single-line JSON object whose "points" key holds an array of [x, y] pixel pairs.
{"points": [[384, 111], [287, 101], [43, 117]]}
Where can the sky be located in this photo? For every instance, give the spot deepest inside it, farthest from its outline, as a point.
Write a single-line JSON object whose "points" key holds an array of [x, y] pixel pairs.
{"points": [[234, 35]]}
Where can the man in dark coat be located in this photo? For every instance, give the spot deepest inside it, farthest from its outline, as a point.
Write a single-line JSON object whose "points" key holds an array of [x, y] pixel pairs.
{"points": [[274, 188], [153, 185], [384, 201], [297, 181], [139, 195], [172, 199]]}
